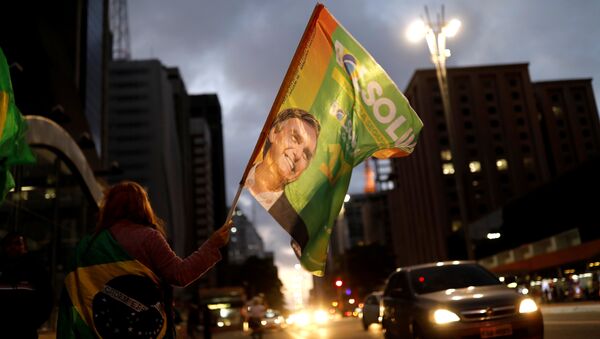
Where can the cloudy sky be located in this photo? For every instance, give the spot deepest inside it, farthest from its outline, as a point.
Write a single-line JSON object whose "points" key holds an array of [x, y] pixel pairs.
{"points": [[240, 49]]}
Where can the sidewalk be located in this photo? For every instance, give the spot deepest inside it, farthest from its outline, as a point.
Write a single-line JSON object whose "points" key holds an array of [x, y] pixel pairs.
{"points": [[571, 307]]}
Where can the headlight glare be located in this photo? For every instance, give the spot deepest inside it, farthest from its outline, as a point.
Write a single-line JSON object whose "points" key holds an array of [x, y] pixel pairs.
{"points": [[527, 306], [442, 316]]}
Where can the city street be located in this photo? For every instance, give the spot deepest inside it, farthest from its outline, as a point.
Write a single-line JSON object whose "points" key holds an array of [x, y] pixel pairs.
{"points": [[571, 321]]}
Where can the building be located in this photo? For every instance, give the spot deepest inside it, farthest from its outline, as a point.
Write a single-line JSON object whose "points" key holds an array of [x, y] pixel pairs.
{"points": [[367, 220], [569, 122], [208, 165], [144, 139], [245, 242], [58, 56], [207, 106], [506, 141]]}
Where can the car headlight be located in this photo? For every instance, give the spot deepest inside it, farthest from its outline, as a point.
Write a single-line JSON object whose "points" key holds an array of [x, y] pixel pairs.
{"points": [[527, 306], [442, 316]]}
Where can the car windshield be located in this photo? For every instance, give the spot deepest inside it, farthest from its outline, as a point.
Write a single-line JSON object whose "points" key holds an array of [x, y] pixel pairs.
{"points": [[271, 314], [439, 278]]}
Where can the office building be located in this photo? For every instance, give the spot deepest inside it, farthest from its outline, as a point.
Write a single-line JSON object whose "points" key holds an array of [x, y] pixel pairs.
{"points": [[144, 139], [245, 241], [58, 55], [506, 136], [207, 106]]}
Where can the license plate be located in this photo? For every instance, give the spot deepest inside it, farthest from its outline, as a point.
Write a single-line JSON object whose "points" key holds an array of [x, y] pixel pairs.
{"points": [[496, 331]]}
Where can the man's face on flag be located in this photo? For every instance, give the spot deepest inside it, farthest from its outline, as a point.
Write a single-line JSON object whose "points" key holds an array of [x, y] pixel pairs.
{"points": [[293, 144]]}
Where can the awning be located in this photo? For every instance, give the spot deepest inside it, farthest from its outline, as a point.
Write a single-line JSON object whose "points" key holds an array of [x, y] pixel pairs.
{"points": [[585, 251]]}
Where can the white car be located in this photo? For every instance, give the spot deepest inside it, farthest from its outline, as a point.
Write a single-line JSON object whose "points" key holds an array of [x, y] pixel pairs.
{"points": [[372, 309]]}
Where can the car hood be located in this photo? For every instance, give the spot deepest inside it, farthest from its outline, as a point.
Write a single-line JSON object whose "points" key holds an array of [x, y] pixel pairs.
{"points": [[474, 296]]}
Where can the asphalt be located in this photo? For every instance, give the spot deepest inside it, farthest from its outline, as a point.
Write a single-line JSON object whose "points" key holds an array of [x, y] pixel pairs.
{"points": [[558, 308]]}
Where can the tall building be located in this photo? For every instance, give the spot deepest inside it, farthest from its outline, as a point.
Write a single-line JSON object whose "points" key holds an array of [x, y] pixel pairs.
{"points": [[58, 55], [208, 171], [367, 220], [144, 139], [207, 106], [245, 242], [501, 132], [569, 121]]}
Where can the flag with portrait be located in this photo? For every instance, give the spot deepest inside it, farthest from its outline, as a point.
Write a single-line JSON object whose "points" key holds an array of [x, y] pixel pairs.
{"points": [[335, 108]]}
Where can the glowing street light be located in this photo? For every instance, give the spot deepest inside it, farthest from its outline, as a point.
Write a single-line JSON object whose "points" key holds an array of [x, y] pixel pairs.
{"points": [[435, 35]]}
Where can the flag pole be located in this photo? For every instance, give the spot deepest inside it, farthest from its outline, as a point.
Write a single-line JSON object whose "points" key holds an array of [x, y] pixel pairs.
{"points": [[287, 80]]}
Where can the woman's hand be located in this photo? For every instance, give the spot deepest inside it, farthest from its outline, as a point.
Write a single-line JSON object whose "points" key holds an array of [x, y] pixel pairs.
{"points": [[221, 236]]}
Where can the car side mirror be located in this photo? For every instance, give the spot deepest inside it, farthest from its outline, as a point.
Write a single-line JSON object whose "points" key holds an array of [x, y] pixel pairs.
{"points": [[398, 293]]}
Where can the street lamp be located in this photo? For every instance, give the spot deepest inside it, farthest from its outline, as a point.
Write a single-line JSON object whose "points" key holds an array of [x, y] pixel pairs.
{"points": [[435, 35]]}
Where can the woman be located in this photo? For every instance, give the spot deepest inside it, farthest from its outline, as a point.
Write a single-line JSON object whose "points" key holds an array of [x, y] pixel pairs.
{"points": [[120, 286]]}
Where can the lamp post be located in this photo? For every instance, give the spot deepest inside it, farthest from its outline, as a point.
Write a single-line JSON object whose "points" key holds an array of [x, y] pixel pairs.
{"points": [[435, 35]]}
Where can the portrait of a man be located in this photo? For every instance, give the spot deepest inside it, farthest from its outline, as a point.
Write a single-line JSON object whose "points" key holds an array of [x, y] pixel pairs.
{"points": [[289, 148]]}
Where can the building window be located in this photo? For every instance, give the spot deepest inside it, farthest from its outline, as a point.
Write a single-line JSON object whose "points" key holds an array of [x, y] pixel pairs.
{"points": [[528, 162], [447, 169], [475, 166], [446, 155], [557, 111], [456, 225], [502, 164]]}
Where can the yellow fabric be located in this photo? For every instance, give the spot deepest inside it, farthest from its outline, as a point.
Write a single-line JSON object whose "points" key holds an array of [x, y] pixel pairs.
{"points": [[85, 282]]}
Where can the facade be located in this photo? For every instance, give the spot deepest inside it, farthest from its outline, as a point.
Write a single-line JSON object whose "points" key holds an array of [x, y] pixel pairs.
{"points": [[144, 139], [506, 147], [569, 122], [207, 106], [208, 173], [245, 242], [58, 57], [367, 220]]}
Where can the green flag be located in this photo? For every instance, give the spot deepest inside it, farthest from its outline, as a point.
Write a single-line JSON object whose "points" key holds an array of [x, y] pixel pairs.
{"points": [[13, 146], [108, 294], [335, 108]]}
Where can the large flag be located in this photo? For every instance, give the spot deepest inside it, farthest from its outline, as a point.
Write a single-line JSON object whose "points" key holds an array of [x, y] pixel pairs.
{"points": [[13, 147], [108, 294], [335, 108]]}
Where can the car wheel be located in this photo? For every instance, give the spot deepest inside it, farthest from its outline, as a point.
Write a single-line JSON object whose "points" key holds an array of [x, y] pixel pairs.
{"points": [[365, 325]]}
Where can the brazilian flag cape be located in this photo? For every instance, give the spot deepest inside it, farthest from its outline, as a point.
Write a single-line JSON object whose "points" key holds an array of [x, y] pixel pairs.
{"points": [[13, 145], [108, 294]]}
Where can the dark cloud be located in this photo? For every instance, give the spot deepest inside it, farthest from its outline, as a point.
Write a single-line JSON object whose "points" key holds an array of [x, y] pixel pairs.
{"points": [[241, 50]]}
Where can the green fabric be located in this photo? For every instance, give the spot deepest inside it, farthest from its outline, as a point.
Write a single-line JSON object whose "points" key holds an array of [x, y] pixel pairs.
{"points": [[13, 146], [99, 262]]}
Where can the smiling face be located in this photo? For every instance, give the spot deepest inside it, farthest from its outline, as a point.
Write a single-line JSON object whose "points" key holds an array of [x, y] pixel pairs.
{"points": [[293, 144]]}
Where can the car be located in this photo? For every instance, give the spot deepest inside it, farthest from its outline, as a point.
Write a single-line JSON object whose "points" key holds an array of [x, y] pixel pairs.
{"points": [[458, 299], [273, 320], [371, 312]]}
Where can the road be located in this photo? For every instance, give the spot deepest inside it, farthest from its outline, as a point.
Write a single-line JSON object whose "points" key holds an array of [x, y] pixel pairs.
{"points": [[572, 321]]}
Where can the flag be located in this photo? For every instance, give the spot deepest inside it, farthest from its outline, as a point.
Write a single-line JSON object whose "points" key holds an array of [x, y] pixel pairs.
{"points": [[335, 108], [13, 146], [110, 294]]}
